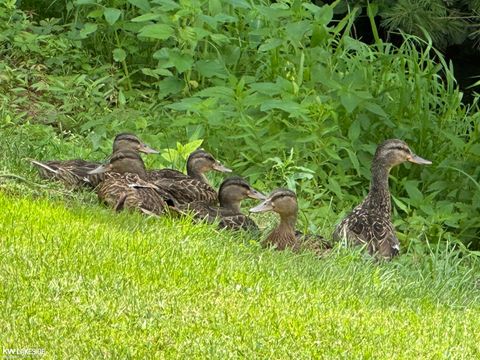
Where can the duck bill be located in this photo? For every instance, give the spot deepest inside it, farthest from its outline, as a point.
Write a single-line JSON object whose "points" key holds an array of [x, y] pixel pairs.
{"points": [[418, 160], [257, 195], [100, 170], [220, 167], [265, 206], [144, 148]]}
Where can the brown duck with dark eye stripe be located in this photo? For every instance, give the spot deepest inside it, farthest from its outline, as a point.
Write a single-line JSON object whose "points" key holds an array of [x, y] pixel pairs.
{"points": [[229, 215], [76, 172], [125, 185], [284, 203], [191, 187], [370, 222]]}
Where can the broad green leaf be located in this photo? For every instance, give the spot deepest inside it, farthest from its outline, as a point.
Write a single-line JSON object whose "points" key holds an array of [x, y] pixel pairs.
{"points": [[167, 5], [187, 104], [240, 4], [267, 88], [141, 4], [350, 101], [156, 73], [146, 17], [319, 35], [170, 85], [354, 130], [401, 205], [119, 54], [296, 30], [217, 91], [88, 29], [112, 15], [182, 62], [95, 13], [192, 146], [376, 109], [325, 15], [288, 106], [270, 44], [156, 31], [412, 190], [210, 68]]}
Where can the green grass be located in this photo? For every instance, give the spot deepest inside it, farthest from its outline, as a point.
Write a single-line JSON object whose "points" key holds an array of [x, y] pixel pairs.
{"points": [[83, 282]]}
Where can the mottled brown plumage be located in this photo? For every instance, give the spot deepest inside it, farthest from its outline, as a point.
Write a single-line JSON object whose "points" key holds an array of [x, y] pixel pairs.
{"points": [[284, 235], [229, 215], [370, 222], [191, 187], [77, 172], [126, 186]]}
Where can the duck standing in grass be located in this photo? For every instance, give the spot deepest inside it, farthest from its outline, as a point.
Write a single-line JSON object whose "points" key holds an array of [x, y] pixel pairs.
{"points": [[194, 186], [370, 223], [76, 172], [284, 203], [229, 214]]}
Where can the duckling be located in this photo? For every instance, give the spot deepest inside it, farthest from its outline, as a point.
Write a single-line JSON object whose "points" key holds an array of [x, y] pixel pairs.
{"points": [[370, 222], [231, 193], [284, 202], [194, 186], [125, 185], [76, 172]]}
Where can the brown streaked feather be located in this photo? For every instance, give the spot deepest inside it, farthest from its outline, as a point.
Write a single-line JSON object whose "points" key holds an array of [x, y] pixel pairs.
{"points": [[118, 193], [70, 172]]}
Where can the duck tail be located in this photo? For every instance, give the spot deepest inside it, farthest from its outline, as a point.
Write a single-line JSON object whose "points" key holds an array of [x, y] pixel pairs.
{"points": [[44, 166]]}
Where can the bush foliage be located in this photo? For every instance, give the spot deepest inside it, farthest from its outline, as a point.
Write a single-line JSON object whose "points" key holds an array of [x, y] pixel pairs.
{"points": [[280, 91]]}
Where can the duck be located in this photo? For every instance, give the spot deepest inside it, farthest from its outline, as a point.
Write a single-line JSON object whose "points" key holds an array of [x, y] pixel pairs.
{"points": [[75, 173], [284, 235], [194, 186], [125, 185], [231, 193], [370, 223]]}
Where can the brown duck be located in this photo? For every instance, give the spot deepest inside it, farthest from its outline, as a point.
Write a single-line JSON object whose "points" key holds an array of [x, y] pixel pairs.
{"points": [[229, 215], [126, 185], [370, 223], [76, 172], [191, 187], [284, 235]]}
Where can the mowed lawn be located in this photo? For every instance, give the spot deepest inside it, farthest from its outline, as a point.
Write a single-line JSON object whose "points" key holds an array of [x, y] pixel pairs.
{"points": [[82, 282]]}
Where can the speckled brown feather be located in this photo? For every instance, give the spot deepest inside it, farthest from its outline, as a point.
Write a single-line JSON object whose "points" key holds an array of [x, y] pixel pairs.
{"points": [[129, 191]]}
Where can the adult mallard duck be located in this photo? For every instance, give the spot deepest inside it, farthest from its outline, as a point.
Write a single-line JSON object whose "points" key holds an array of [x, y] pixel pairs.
{"points": [[194, 186], [370, 222], [231, 193], [284, 203], [125, 185], [76, 172]]}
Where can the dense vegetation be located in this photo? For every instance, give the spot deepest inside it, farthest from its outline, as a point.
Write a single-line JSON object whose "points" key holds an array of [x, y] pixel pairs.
{"points": [[284, 94], [290, 91]]}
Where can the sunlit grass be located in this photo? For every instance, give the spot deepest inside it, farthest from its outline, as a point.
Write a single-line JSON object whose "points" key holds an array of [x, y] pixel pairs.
{"points": [[85, 282]]}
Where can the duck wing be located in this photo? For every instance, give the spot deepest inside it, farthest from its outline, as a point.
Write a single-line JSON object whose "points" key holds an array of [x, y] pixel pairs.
{"points": [[120, 191], [188, 190]]}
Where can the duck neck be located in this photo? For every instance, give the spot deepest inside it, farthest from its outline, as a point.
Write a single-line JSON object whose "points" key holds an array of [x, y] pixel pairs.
{"points": [[196, 174], [379, 194], [129, 162], [283, 235], [230, 205]]}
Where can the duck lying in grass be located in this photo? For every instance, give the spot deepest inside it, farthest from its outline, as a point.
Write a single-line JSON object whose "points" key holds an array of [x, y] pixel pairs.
{"points": [[194, 186], [126, 185], [284, 203], [77, 172], [370, 222], [229, 214]]}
